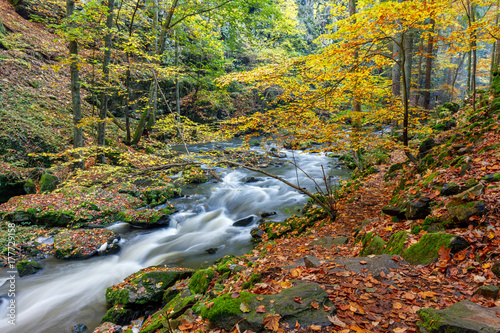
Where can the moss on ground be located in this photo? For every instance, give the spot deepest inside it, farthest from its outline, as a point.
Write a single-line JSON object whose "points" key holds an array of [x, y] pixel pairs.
{"points": [[426, 250]]}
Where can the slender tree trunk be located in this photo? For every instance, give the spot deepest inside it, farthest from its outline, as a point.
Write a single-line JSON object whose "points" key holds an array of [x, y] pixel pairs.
{"points": [[177, 90], [408, 63], [75, 87], [405, 90], [154, 111], [462, 58], [101, 135], [356, 105], [469, 71], [474, 55], [428, 69], [420, 73], [396, 68]]}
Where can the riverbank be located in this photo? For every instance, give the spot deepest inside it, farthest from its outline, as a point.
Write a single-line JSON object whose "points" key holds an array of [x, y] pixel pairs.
{"points": [[414, 247]]}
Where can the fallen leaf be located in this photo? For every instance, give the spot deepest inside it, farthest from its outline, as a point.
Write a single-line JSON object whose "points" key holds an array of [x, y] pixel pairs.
{"points": [[362, 262], [185, 325], [336, 321], [235, 294], [298, 299], [244, 307], [397, 305], [315, 305], [327, 308], [427, 294], [271, 321], [409, 296], [316, 328], [260, 309], [209, 305]]}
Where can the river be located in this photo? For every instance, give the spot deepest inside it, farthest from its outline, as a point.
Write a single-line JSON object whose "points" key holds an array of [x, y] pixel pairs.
{"points": [[65, 293]]}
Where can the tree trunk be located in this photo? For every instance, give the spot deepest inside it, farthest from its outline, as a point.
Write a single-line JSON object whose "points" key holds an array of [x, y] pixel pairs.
{"points": [[408, 62], [101, 136], [404, 91], [75, 87], [474, 56], [428, 69], [420, 73], [396, 68], [356, 105]]}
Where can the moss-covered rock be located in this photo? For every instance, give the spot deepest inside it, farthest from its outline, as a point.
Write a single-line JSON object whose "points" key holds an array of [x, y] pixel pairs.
{"points": [[464, 316], [425, 147], [426, 250], [226, 311], [488, 291], [146, 286], [27, 267], [396, 244], [118, 314], [48, 182], [372, 244], [201, 280], [461, 213], [10, 186]]}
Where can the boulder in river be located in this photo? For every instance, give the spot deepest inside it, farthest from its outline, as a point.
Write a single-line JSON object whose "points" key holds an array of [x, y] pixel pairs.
{"points": [[244, 222], [464, 316], [27, 267]]}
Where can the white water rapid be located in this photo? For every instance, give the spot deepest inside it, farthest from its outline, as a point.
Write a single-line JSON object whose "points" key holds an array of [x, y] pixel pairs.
{"points": [[65, 293]]}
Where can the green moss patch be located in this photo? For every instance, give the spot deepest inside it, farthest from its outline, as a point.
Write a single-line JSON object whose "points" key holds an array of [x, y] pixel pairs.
{"points": [[201, 280], [426, 250]]}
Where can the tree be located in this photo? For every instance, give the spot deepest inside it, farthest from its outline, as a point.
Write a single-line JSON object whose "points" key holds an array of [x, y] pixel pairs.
{"points": [[101, 139], [75, 82]]}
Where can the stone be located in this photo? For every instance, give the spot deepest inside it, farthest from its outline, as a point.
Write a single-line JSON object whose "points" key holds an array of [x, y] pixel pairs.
{"points": [[244, 222], [425, 147], [492, 178], [372, 264], [80, 328], [27, 267], [496, 269], [48, 182], [488, 291], [10, 186], [450, 189], [267, 214], [212, 250], [398, 211], [257, 234], [418, 209], [470, 194], [464, 316], [328, 242], [458, 244], [312, 261], [226, 313], [463, 212], [146, 286], [29, 187], [251, 179], [108, 327], [426, 249]]}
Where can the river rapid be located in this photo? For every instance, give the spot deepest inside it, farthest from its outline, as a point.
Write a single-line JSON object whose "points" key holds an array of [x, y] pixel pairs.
{"points": [[65, 293]]}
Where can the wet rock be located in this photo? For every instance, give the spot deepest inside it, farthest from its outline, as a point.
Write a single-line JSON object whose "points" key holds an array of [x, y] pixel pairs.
{"points": [[226, 311], [398, 210], [470, 194], [276, 153], [257, 234], [146, 286], [27, 267], [373, 264], [212, 250], [19, 216], [244, 222], [251, 179], [464, 316], [85, 243], [267, 214], [488, 291], [328, 242], [80, 328]]}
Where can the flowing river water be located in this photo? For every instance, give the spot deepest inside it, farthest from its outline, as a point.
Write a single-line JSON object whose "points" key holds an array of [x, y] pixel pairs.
{"points": [[65, 293]]}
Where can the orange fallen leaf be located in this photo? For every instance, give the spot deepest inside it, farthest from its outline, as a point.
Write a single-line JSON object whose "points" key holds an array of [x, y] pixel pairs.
{"points": [[315, 305], [397, 305], [271, 321], [316, 328], [298, 299], [260, 309]]}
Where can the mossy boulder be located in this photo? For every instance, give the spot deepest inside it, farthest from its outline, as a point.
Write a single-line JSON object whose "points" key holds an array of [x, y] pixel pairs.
{"points": [[27, 267], [201, 280], [30, 9], [418, 209], [425, 147], [462, 212], [146, 286], [119, 314], [29, 187], [464, 316], [226, 311], [488, 291], [48, 182], [450, 189], [396, 244], [426, 250], [491, 178], [372, 244]]}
